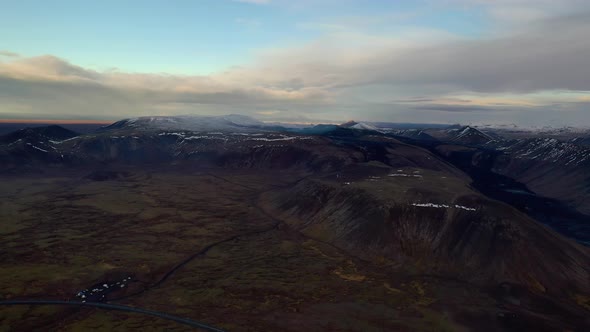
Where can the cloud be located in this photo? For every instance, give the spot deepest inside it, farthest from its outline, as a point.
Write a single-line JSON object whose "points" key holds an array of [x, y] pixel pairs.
{"points": [[45, 67], [526, 11], [267, 113], [548, 56], [8, 54], [452, 108], [415, 74], [53, 86], [446, 101]]}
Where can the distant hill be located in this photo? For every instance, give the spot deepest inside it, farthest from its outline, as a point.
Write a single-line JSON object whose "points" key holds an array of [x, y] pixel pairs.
{"points": [[403, 126], [53, 132], [83, 128], [463, 135]]}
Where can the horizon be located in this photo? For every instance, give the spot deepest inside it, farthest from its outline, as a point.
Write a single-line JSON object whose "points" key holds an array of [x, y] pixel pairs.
{"points": [[518, 62], [66, 122], [52, 121]]}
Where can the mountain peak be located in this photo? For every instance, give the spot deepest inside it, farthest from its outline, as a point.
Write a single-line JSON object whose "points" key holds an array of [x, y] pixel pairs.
{"points": [[230, 122], [470, 135], [51, 132], [349, 124], [359, 125]]}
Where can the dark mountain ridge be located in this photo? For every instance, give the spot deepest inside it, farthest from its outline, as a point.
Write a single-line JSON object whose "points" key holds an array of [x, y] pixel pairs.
{"points": [[52, 132]]}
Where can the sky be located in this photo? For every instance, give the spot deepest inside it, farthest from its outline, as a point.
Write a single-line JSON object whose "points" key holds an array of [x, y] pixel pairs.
{"points": [[524, 62]]}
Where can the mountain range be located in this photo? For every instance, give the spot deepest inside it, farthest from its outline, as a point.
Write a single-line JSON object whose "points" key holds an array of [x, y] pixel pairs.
{"points": [[507, 215]]}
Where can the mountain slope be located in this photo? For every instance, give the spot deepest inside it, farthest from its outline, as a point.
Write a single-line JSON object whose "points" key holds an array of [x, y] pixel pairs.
{"points": [[414, 134], [584, 141], [33, 147], [549, 167], [467, 236]]}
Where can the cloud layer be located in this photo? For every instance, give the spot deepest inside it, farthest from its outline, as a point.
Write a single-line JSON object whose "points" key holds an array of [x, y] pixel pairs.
{"points": [[540, 69]]}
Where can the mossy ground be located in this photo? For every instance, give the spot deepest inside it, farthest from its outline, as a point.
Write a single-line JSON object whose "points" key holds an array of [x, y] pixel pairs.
{"points": [[62, 234]]}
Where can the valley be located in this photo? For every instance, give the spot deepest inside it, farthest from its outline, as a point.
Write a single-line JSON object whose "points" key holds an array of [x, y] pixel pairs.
{"points": [[248, 264], [203, 245]]}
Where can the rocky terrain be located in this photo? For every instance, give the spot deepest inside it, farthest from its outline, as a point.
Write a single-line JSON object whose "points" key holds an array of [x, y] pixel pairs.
{"points": [[253, 227]]}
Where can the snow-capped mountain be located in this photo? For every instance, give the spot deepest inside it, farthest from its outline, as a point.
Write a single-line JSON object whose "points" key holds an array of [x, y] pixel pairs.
{"points": [[466, 135], [232, 122], [549, 150], [359, 125], [549, 167], [415, 134], [469, 135]]}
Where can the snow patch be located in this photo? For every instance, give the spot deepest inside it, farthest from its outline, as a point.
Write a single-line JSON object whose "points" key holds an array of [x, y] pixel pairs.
{"points": [[443, 206], [65, 140], [364, 126], [38, 148], [404, 175]]}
